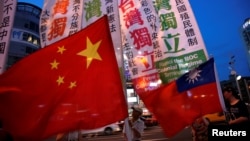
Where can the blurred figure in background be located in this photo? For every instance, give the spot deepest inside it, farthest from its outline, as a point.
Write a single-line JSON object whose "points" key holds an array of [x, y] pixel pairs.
{"points": [[238, 115], [136, 124], [200, 129]]}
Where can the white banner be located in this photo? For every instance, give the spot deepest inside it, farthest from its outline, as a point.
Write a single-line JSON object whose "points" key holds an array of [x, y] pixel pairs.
{"points": [[181, 47], [93, 10], [7, 14], [139, 25], [59, 19], [62, 18], [161, 41]]}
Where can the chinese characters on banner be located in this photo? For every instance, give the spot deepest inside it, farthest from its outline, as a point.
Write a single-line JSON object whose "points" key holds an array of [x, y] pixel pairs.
{"points": [[59, 19], [94, 10], [161, 41], [62, 18], [139, 25], [7, 15], [181, 47]]}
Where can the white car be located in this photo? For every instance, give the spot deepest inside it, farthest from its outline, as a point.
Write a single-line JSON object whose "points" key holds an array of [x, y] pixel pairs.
{"points": [[106, 130]]}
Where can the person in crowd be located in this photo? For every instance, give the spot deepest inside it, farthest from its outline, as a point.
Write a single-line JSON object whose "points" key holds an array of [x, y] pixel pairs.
{"points": [[200, 129], [237, 114], [136, 124]]}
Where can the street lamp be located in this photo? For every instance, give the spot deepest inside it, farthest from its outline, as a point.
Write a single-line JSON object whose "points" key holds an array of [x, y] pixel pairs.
{"points": [[237, 78]]}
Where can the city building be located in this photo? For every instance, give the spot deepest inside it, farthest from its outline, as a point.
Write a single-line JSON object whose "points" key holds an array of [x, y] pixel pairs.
{"points": [[245, 32], [24, 38]]}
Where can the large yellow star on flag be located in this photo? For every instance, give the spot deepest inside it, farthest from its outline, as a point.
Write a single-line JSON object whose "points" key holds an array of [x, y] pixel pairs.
{"points": [[91, 51]]}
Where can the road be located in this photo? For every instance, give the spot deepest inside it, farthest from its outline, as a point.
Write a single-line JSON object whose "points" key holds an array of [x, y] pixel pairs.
{"points": [[150, 134]]}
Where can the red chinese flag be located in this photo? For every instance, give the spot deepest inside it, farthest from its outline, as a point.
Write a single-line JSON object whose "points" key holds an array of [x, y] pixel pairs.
{"points": [[177, 104], [69, 85]]}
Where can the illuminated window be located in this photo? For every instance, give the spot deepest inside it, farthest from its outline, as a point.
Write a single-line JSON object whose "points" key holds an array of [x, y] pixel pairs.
{"points": [[29, 39], [35, 42]]}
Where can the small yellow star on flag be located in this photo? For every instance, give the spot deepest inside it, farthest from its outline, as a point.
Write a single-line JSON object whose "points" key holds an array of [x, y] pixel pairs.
{"points": [[54, 64], [72, 84], [60, 80], [61, 49], [91, 51]]}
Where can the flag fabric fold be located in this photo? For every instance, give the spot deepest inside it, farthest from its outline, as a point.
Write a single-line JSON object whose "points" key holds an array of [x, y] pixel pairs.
{"points": [[69, 85], [178, 103]]}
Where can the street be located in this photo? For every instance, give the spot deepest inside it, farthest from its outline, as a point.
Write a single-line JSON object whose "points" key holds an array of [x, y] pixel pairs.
{"points": [[150, 134]]}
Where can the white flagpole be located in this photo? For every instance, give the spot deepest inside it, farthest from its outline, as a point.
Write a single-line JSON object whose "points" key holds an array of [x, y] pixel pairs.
{"points": [[222, 102], [126, 128]]}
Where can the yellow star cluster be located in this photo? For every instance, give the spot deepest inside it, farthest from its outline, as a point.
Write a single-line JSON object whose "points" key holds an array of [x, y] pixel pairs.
{"points": [[55, 66]]}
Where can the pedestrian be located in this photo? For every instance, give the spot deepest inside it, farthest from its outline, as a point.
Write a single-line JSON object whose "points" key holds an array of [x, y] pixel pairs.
{"points": [[237, 115], [200, 129], [136, 125]]}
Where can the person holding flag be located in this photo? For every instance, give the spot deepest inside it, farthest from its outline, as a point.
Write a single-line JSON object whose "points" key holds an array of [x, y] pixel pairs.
{"points": [[136, 125], [238, 115]]}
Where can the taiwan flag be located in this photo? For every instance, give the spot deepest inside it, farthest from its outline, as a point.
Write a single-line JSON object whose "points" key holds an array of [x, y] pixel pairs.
{"points": [[178, 103], [70, 85]]}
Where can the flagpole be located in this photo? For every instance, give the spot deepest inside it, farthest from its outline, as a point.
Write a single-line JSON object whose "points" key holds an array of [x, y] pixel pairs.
{"points": [[126, 128], [222, 102], [126, 121]]}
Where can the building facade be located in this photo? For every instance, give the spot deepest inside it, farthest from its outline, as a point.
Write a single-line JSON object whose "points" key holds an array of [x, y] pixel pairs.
{"points": [[24, 38], [245, 32]]}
